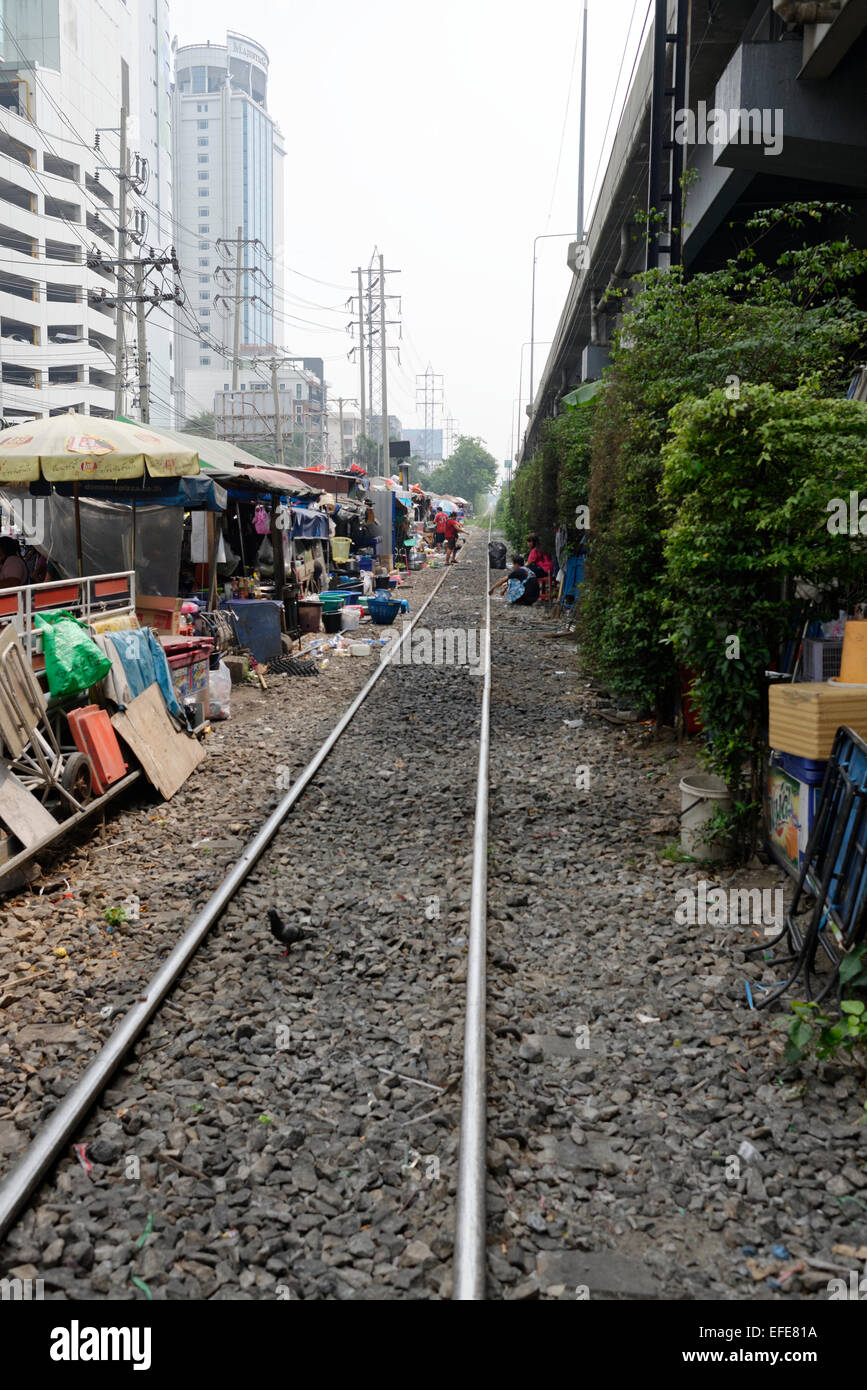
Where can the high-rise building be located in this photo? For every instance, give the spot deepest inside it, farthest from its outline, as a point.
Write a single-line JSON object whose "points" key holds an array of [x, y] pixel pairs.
{"points": [[66, 67], [228, 160]]}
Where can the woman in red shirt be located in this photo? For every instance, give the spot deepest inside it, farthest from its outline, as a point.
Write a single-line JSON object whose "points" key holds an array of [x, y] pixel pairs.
{"points": [[538, 559]]}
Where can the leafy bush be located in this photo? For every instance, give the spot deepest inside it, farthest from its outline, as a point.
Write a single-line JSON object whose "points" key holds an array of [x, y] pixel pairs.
{"points": [[747, 483], [748, 322]]}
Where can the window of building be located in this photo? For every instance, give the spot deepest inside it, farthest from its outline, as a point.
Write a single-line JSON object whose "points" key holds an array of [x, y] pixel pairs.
{"points": [[203, 192], [201, 106], [203, 279], [203, 260], [225, 385], [202, 125], [203, 245], [202, 139], [200, 79], [298, 390], [204, 294], [204, 361], [203, 159], [204, 313], [204, 174]]}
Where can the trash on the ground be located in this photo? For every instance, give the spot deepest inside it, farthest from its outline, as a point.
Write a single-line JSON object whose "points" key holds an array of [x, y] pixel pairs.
{"points": [[80, 1151], [131, 907]]}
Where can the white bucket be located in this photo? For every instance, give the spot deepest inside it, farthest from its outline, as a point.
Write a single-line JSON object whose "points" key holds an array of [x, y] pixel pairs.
{"points": [[701, 795]]}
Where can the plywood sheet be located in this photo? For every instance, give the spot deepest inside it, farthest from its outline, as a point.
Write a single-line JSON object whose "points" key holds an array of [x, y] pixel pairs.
{"points": [[167, 755], [21, 813]]}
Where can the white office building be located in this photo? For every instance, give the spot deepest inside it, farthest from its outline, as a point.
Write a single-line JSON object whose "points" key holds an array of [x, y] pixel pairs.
{"points": [[248, 415], [66, 66], [341, 450], [228, 160]]}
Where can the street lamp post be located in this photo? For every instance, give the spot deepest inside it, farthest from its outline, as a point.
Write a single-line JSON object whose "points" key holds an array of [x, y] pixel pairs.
{"points": [[528, 344], [543, 236]]}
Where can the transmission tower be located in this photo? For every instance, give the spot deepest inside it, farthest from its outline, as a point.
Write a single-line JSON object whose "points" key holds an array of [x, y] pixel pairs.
{"points": [[429, 385], [370, 324]]}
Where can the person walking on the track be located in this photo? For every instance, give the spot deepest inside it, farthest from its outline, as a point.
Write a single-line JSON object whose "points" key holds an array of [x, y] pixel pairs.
{"points": [[452, 531], [439, 528]]}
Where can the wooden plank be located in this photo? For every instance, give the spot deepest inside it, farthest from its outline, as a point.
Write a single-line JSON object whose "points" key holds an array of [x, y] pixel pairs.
{"points": [[9, 879], [16, 676], [21, 813], [167, 755]]}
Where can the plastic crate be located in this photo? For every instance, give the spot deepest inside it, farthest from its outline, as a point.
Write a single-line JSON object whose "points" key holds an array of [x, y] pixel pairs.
{"points": [[820, 660]]}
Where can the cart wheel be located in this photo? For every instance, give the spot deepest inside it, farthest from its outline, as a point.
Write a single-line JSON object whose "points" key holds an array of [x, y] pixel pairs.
{"points": [[77, 778]]}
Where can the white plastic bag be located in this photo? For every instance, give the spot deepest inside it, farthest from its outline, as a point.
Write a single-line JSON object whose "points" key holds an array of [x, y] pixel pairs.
{"points": [[220, 691]]}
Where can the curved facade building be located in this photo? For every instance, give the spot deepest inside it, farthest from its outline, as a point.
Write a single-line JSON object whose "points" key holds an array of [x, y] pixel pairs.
{"points": [[228, 157]]}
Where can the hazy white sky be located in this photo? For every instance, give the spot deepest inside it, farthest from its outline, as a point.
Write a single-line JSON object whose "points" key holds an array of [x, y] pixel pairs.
{"points": [[432, 132]]}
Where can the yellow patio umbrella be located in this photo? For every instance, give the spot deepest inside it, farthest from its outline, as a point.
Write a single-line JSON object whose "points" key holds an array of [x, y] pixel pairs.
{"points": [[74, 448]]}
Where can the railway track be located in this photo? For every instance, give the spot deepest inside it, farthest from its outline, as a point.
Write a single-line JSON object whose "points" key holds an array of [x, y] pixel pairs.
{"points": [[310, 1126]]}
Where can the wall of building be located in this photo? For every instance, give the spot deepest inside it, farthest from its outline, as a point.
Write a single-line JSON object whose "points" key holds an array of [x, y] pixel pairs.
{"points": [[57, 198]]}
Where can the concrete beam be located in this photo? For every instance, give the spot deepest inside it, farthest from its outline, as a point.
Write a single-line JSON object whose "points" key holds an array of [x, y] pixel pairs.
{"points": [[825, 45]]}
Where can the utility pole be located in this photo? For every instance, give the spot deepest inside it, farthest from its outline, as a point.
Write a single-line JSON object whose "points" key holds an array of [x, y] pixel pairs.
{"points": [[278, 424], [384, 357], [144, 391], [581, 124], [361, 355], [236, 341], [370, 334], [120, 326]]}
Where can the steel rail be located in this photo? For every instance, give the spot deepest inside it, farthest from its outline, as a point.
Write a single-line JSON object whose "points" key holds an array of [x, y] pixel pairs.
{"points": [[21, 1181], [470, 1244]]}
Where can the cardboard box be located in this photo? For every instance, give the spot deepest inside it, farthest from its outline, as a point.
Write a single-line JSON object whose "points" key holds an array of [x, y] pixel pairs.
{"points": [[162, 614], [803, 719], [161, 620]]}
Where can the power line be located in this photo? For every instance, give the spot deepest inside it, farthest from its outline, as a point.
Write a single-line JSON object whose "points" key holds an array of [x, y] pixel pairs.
{"points": [[614, 93], [565, 119]]}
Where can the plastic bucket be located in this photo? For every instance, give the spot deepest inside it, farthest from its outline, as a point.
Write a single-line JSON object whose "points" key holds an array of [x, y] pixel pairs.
{"points": [[340, 548], [350, 617], [331, 601], [332, 620], [701, 796], [310, 616]]}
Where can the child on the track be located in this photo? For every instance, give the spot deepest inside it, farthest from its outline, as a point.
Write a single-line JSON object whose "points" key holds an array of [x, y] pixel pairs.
{"points": [[520, 584]]}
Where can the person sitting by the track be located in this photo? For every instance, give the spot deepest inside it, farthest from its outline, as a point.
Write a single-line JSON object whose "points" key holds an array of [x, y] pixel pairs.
{"points": [[538, 560], [440, 520], [520, 583], [453, 530], [13, 570]]}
